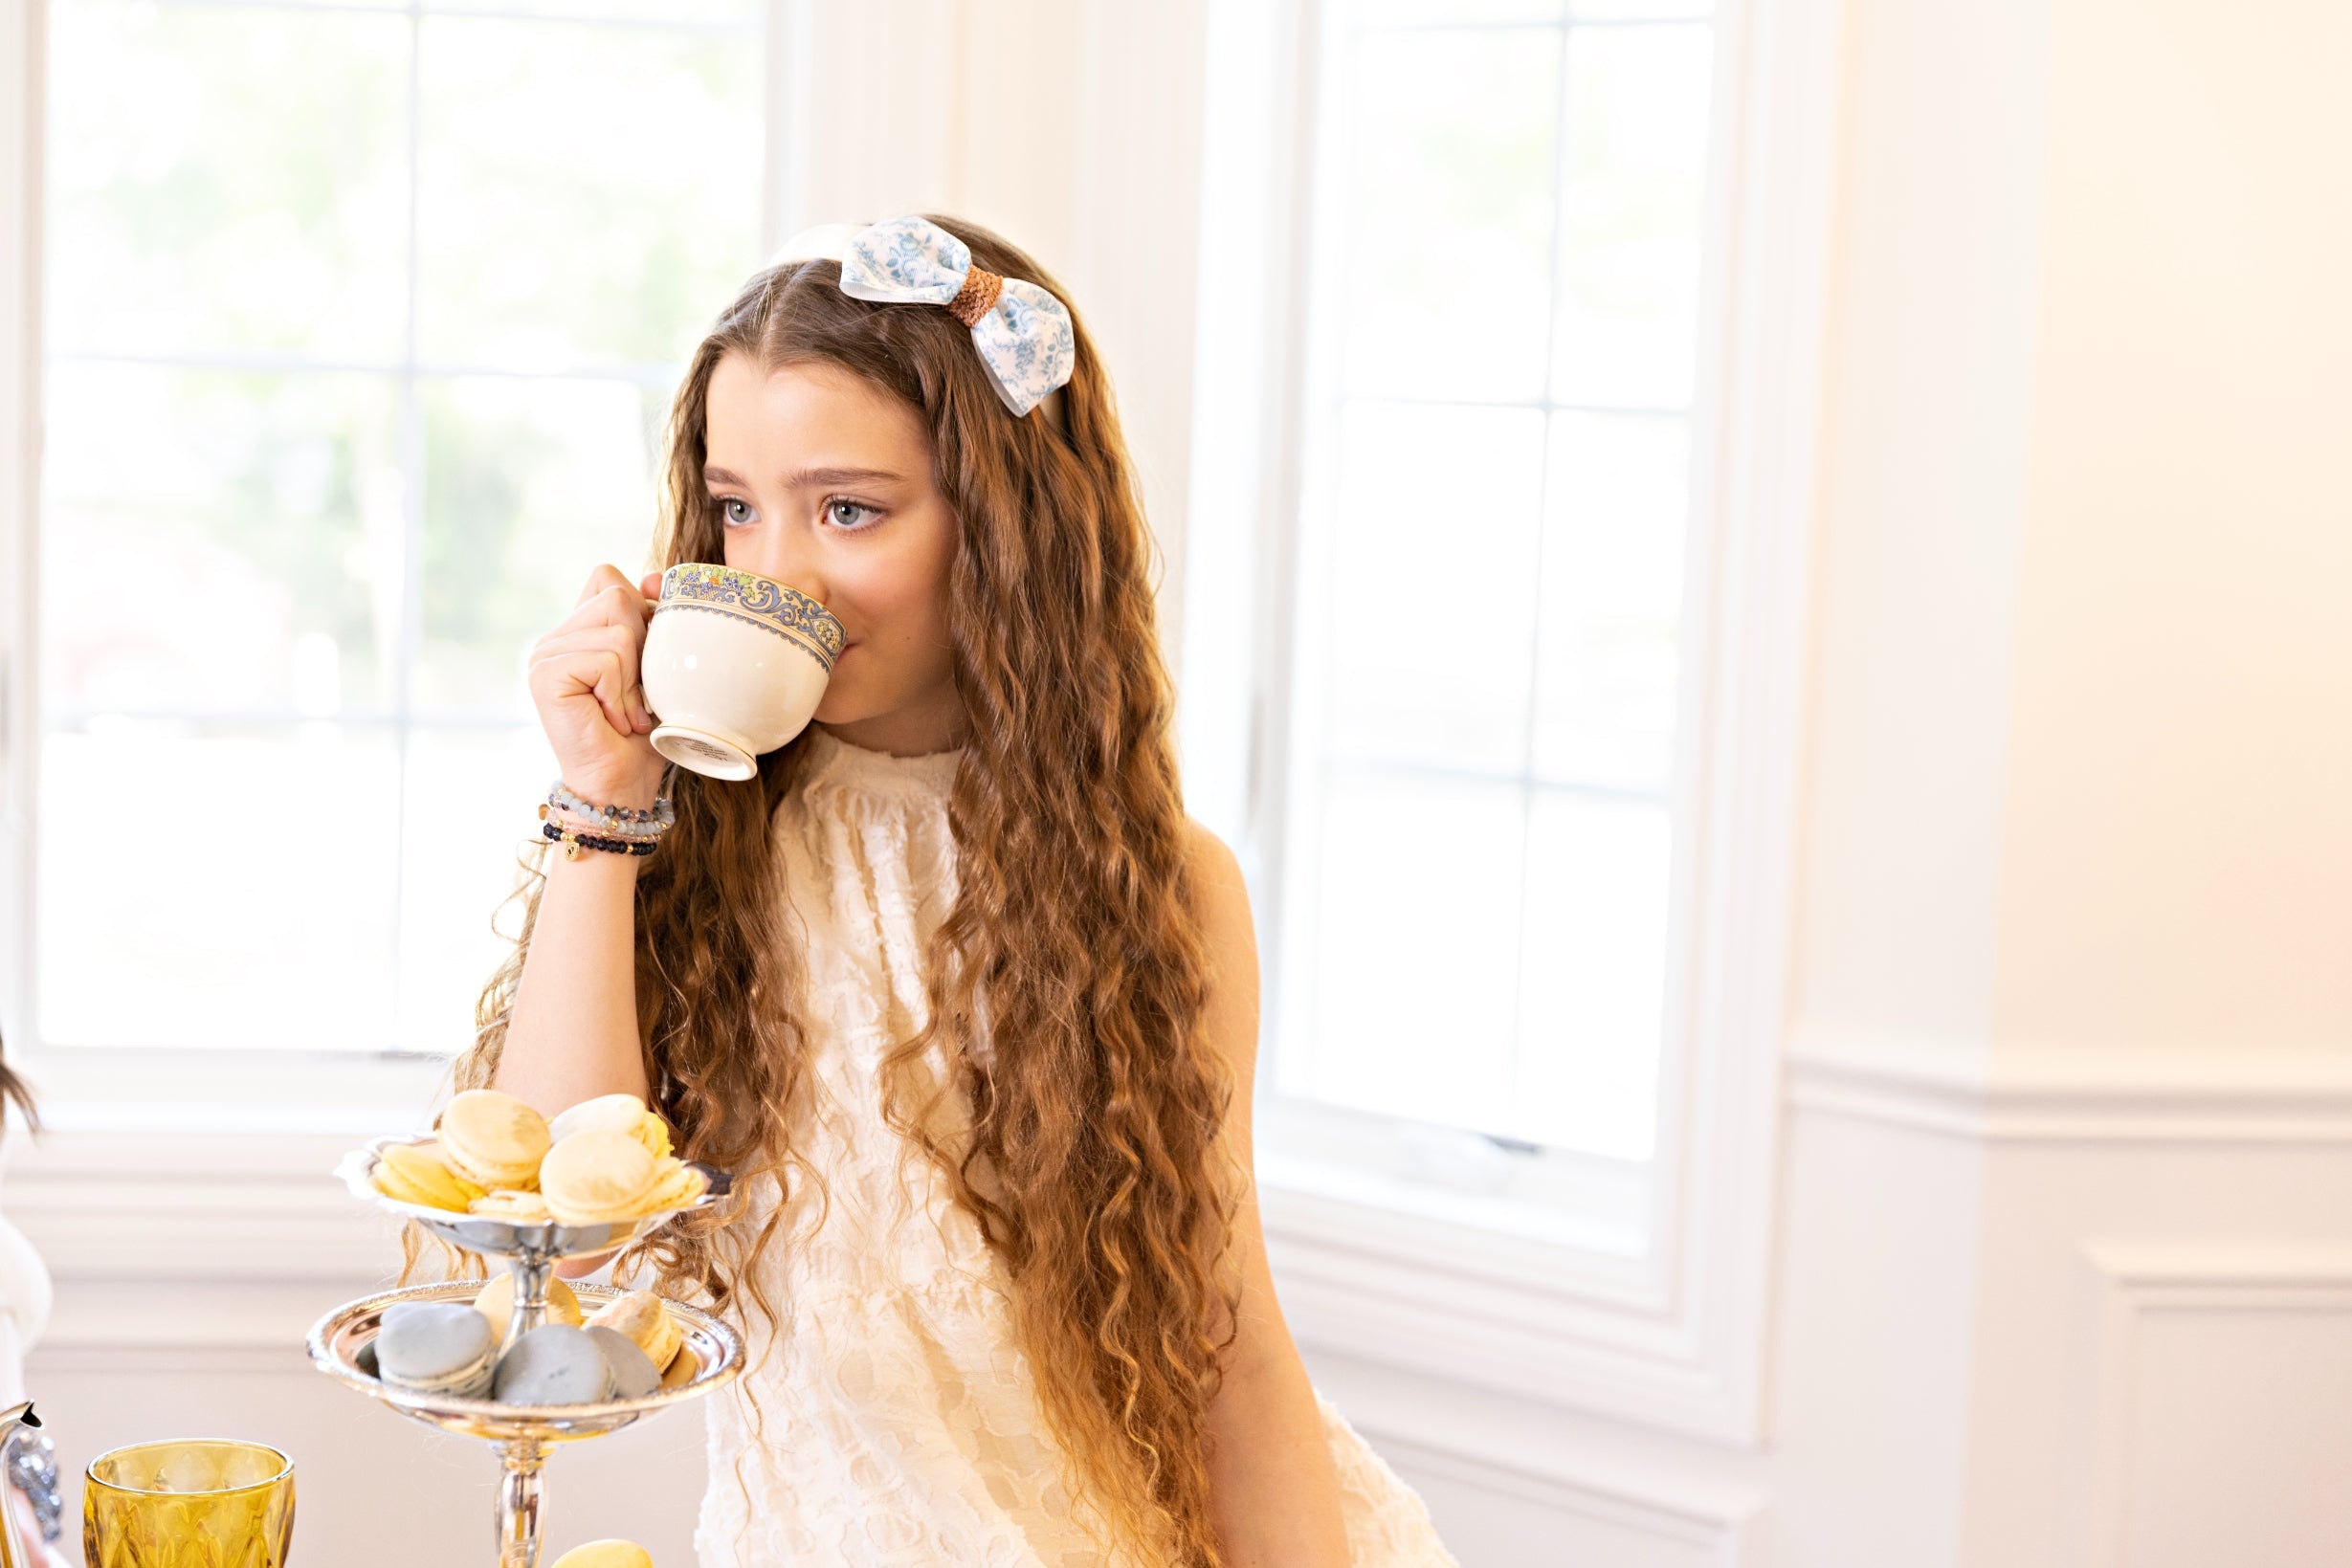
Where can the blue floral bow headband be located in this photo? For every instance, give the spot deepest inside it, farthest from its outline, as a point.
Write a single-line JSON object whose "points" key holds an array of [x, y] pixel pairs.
{"points": [[1023, 333]]}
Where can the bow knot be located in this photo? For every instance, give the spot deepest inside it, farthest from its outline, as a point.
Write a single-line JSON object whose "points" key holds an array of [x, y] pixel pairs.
{"points": [[1023, 333]]}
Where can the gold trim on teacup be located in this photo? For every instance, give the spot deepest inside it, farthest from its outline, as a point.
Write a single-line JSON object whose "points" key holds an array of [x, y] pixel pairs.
{"points": [[763, 601]]}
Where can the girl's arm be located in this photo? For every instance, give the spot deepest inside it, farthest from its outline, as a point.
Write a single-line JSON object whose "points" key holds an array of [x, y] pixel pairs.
{"points": [[572, 1033], [1276, 1498]]}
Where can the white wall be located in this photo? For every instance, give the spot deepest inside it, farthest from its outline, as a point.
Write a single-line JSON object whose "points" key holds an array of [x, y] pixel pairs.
{"points": [[2065, 1262]]}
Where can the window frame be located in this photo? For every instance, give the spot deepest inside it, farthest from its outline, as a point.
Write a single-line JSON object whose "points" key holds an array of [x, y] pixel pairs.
{"points": [[221, 1088], [1671, 1338]]}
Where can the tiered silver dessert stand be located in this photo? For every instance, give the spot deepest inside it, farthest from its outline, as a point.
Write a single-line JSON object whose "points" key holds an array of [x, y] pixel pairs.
{"points": [[520, 1434]]}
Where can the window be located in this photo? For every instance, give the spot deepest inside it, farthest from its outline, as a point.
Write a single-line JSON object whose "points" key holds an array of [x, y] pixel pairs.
{"points": [[1483, 689], [347, 385]]}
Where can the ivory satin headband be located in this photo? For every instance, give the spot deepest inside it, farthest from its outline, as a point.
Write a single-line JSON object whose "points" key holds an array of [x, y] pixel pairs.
{"points": [[1022, 332]]}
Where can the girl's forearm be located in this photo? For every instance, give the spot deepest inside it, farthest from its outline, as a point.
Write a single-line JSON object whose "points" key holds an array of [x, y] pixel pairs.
{"points": [[1274, 1492], [573, 1031]]}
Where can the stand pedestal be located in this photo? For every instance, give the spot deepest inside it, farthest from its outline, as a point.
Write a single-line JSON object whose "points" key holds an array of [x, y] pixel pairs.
{"points": [[519, 1502]]}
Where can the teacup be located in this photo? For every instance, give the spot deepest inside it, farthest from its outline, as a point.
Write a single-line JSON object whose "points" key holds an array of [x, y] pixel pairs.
{"points": [[734, 666]]}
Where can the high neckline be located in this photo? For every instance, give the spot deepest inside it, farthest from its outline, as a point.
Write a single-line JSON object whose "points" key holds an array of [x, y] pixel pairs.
{"points": [[840, 764]]}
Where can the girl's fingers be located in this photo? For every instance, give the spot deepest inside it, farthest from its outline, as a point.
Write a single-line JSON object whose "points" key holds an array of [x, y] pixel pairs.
{"points": [[596, 670], [603, 578], [621, 641]]}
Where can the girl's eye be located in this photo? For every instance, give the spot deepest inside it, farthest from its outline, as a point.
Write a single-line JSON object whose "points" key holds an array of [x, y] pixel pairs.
{"points": [[727, 511], [851, 516]]}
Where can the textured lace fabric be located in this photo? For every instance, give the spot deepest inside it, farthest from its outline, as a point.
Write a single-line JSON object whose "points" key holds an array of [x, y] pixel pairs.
{"points": [[891, 1420]]}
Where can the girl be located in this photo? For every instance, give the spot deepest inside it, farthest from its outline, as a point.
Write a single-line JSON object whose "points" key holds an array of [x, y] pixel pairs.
{"points": [[953, 984]]}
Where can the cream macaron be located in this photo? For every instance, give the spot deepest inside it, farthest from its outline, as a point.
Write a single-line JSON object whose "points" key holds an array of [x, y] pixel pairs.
{"points": [[496, 1301], [641, 1318], [598, 1176], [494, 1139]]}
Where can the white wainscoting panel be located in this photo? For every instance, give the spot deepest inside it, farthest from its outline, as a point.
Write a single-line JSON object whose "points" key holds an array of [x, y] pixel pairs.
{"points": [[2213, 1422]]}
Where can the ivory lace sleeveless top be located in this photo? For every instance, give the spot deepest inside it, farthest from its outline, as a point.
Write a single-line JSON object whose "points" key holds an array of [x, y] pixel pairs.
{"points": [[891, 1420]]}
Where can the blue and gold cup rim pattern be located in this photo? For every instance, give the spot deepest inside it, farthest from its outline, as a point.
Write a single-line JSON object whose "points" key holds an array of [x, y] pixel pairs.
{"points": [[763, 601]]}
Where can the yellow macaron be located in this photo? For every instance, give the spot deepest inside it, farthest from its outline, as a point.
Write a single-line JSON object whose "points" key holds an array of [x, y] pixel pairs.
{"points": [[497, 1302], [655, 1133], [599, 1176], [416, 1173], [606, 1555], [642, 1318], [494, 1139]]}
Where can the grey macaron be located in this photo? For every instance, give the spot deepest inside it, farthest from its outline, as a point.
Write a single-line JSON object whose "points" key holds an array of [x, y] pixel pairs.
{"points": [[435, 1347], [553, 1364], [632, 1370]]}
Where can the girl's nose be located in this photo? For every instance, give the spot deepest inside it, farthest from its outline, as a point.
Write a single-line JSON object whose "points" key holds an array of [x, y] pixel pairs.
{"points": [[790, 561]]}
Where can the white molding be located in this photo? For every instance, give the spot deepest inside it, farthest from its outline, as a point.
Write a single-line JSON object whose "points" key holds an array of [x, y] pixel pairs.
{"points": [[1964, 1091], [230, 1207], [23, 112], [2132, 1280], [1732, 1534]]}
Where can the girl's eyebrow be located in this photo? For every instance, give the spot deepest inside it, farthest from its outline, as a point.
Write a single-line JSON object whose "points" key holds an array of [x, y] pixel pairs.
{"points": [[809, 477]]}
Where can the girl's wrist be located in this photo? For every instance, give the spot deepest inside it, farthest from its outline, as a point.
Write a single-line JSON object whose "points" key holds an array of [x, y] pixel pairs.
{"points": [[629, 795]]}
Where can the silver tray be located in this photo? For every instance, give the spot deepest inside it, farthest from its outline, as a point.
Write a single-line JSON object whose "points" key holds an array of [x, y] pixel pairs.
{"points": [[337, 1339], [543, 1243]]}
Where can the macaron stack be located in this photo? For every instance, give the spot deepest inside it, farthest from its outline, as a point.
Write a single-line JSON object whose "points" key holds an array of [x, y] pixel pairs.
{"points": [[601, 1177], [604, 1161], [631, 1348]]}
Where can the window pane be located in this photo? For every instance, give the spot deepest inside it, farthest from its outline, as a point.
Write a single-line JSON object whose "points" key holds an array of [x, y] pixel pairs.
{"points": [[529, 485], [1414, 949], [1630, 214], [267, 509], [216, 888], [471, 801], [1615, 513], [1447, 212], [1591, 976], [588, 193], [1432, 578], [190, 211]]}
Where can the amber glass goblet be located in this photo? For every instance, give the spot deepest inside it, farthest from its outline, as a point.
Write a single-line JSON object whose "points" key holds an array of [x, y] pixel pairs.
{"points": [[196, 1503]]}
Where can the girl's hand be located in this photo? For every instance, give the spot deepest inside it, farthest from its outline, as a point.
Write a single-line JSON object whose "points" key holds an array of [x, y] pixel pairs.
{"points": [[584, 682]]}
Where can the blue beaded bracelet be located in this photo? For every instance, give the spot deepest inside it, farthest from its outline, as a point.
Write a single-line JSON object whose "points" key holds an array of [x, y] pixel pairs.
{"points": [[656, 820]]}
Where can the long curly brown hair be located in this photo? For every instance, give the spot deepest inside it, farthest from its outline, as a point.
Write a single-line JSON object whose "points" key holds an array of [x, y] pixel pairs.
{"points": [[1073, 949]]}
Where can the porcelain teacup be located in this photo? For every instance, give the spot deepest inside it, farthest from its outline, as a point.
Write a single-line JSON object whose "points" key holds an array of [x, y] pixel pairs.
{"points": [[734, 666]]}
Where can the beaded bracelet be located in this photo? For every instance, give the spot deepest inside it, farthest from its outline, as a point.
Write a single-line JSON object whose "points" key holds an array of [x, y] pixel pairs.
{"points": [[564, 819], [658, 817], [574, 841]]}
